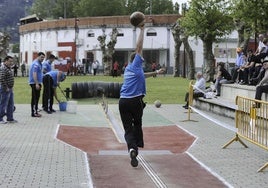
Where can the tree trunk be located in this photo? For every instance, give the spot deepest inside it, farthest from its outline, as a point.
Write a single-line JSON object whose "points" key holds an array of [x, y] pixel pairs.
{"points": [[191, 73], [209, 61], [176, 32], [177, 59]]}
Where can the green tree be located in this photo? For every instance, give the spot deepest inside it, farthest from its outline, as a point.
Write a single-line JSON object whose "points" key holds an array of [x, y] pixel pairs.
{"points": [[99, 8], [250, 18], [15, 48], [151, 6], [54, 9], [209, 20]]}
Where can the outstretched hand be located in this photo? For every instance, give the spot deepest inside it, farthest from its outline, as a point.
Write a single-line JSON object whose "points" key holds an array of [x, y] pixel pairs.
{"points": [[161, 71]]}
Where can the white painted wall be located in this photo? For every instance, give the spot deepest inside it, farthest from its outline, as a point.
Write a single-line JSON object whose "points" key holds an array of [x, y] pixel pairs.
{"points": [[48, 40]]}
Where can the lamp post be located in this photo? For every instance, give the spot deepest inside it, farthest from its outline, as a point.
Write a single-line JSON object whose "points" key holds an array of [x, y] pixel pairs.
{"points": [[76, 28]]}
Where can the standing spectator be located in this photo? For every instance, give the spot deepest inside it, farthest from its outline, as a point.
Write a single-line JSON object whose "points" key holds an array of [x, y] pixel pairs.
{"points": [[23, 69], [115, 69], [131, 103], [46, 65], [6, 91], [223, 77], [35, 81], [51, 80], [15, 68], [95, 66], [153, 67], [124, 67], [199, 89]]}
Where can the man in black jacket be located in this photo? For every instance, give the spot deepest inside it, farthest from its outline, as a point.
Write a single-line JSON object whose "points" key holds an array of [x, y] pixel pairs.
{"points": [[6, 91]]}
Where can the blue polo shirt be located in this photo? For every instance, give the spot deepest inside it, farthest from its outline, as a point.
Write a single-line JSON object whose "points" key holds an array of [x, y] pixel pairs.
{"points": [[54, 75], [134, 79], [36, 66], [46, 66]]}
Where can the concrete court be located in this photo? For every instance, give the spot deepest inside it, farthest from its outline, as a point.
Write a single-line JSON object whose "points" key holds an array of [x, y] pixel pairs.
{"points": [[32, 156]]}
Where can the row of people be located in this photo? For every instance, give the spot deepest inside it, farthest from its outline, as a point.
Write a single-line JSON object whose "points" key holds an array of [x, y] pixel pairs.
{"points": [[249, 66], [224, 77]]}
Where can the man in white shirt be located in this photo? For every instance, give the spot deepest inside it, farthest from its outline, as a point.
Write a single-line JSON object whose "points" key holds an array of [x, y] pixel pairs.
{"points": [[199, 89]]}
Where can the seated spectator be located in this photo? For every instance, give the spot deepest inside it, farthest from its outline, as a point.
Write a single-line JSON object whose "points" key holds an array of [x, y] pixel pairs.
{"points": [[222, 77], [262, 86], [199, 89], [238, 63], [246, 71], [259, 68]]}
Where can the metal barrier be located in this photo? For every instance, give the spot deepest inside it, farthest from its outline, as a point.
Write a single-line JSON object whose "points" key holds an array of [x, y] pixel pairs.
{"points": [[190, 101], [251, 121]]}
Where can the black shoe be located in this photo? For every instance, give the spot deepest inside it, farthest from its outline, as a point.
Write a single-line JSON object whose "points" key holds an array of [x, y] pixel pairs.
{"points": [[133, 155], [218, 95], [243, 83], [36, 115], [185, 106], [48, 111], [52, 110]]}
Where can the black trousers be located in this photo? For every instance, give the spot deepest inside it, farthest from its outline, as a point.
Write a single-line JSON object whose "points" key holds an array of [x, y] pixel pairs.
{"points": [[35, 98], [48, 93], [131, 111], [260, 90], [195, 95]]}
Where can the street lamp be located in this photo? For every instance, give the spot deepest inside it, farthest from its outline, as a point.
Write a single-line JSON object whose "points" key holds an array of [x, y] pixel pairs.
{"points": [[76, 28]]}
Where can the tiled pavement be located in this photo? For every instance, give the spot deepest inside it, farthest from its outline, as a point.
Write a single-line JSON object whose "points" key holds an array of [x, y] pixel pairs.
{"points": [[32, 156]]}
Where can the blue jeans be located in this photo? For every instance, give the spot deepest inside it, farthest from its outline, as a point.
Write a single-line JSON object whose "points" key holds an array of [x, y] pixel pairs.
{"points": [[6, 104]]}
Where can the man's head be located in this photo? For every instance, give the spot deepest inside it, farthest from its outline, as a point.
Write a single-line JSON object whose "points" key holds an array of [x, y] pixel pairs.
{"points": [[199, 74], [221, 64], [261, 37], [265, 63], [51, 58], [62, 77], [41, 56], [8, 61], [239, 50]]}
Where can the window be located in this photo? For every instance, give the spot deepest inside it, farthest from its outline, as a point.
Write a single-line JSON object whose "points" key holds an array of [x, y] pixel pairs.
{"points": [[120, 33], [90, 33], [151, 32]]}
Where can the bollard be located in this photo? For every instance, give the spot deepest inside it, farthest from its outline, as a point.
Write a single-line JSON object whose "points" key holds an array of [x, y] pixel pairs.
{"points": [[68, 91]]}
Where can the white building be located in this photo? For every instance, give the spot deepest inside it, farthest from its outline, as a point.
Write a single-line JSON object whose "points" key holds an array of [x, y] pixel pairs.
{"points": [[77, 39]]}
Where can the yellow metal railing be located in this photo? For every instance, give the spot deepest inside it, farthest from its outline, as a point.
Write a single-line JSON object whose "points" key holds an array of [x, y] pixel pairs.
{"points": [[252, 123], [190, 100]]}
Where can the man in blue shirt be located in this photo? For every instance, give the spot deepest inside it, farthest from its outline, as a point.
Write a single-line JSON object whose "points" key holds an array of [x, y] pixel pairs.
{"points": [[46, 66], [35, 81], [51, 80], [131, 103], [240, 60]]}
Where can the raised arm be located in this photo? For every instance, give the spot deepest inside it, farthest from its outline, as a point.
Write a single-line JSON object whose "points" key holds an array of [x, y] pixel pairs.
{"points": [[140, 39]]}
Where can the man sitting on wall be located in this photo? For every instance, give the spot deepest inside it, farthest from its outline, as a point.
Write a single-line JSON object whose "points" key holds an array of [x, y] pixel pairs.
{"points": [[262, 86], [199, 89]]}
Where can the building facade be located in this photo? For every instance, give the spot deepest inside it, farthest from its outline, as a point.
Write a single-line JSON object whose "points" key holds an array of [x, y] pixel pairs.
{"points": [[76, 41]]}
